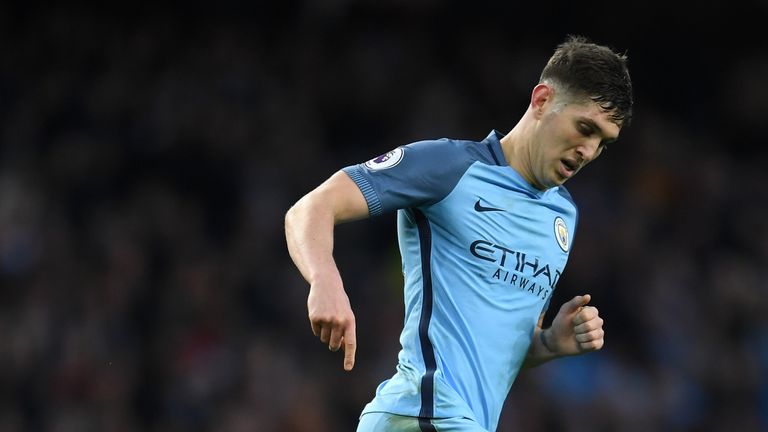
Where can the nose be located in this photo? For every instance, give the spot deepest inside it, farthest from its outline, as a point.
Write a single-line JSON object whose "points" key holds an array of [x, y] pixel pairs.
{"points": [[589, 149]]}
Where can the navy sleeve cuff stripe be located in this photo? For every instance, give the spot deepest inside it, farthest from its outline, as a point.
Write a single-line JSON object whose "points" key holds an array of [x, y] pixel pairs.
{"points": [[374, 204]]}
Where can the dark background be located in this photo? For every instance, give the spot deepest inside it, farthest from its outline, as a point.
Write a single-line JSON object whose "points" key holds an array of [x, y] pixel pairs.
{"points": [[148, 155]]}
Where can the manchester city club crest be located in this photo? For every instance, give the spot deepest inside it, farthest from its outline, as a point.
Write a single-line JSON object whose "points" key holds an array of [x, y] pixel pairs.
{"points": [[387, 160], [561, 233]]}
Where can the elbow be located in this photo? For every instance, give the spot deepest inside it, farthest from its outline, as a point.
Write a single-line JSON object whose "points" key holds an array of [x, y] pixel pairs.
{"points": [[299, 212], [287, 219], [291, 215]]}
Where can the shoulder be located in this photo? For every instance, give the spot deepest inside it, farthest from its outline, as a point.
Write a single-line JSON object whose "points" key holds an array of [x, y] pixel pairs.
{"points": [[563, 194], [451, 152], [561, 200]]}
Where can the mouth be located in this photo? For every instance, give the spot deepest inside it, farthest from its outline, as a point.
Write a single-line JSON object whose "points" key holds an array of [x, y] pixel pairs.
{"points": [[568, 167]]}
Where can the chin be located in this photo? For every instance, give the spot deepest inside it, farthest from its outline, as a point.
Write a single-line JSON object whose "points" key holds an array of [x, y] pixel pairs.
{"points": [[548, 184], [557, 182]]}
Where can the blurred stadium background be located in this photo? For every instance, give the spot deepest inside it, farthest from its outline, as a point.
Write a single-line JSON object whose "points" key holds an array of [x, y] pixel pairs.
{"points": [[148, 155]]}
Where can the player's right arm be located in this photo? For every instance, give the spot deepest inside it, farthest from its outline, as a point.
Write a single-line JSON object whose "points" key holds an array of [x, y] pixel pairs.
{"points": [[309, 228]]}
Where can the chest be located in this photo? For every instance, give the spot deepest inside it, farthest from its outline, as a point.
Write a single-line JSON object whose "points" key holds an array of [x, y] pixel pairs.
{"points": [[497, 225]]}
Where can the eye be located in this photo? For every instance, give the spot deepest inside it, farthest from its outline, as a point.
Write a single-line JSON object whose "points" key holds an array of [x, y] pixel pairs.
{"points": [[584, 129]]}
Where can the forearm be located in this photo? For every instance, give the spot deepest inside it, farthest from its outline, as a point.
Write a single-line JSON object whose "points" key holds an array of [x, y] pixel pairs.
{"points": [[540, 350], [309, 226], [309, 236]]}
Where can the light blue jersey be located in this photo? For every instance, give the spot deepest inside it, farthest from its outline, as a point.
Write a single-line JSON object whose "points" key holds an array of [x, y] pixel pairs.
{"points": [[482, 251]]}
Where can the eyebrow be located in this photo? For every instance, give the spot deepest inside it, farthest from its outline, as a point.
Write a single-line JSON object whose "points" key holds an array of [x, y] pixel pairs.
{"points": [[600, 131]]}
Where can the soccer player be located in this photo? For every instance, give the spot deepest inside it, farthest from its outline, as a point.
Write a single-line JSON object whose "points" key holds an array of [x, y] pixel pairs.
{"points": [[484, 229]]}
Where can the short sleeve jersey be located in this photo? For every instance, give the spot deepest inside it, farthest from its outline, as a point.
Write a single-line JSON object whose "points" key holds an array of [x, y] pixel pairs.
{"points": [[482, 251]]}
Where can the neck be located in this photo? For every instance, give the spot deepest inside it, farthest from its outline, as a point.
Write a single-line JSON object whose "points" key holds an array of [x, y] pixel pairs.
{"points": [[517, 146]]}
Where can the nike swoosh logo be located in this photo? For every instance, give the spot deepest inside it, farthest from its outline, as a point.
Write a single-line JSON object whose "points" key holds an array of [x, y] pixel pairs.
{"points": [[479, 208]]}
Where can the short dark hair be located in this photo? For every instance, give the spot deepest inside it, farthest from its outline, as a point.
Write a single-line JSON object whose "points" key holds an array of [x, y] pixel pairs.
{"points": [[595, 71]]}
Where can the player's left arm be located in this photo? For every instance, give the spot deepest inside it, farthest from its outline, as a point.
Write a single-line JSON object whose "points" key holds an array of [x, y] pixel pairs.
{"points": [[576, 329]]}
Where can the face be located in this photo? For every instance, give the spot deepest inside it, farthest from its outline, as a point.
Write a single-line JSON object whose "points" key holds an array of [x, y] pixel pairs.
{"points": [[568, 136]]}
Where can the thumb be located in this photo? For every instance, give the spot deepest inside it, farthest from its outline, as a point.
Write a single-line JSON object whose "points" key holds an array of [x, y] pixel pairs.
{"points": [[576, 303]]}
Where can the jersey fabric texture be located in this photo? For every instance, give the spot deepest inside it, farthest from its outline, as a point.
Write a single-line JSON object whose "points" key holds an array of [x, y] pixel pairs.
{"points": [[482, 251], [387, 422]]}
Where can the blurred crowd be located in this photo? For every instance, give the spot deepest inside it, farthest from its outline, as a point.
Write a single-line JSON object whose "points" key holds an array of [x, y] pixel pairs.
{"points": [[147, 158]]}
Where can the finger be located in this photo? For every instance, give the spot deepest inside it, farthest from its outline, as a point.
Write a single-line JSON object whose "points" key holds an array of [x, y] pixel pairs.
{"points": [[315, 328], [587, 313], [590, 336], [325, 334], [588, 326], [350, 347], [592, 345], [575, 303], [335, 342]]}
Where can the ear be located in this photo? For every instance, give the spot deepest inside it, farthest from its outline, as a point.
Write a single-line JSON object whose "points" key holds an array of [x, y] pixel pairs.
{"points": [[541, 96]]}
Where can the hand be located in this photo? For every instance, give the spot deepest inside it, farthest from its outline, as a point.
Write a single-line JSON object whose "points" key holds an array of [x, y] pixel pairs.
{"points": [[577, 328], [332, 319]]}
